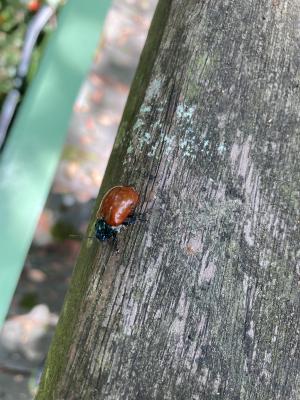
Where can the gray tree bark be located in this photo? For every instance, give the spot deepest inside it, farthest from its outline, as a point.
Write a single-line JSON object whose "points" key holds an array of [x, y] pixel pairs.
{"points": [[202, 301]]}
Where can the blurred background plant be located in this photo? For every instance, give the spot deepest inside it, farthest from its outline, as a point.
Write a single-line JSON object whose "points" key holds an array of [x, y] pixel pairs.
{"points": [[14, 18], [36, 304]]}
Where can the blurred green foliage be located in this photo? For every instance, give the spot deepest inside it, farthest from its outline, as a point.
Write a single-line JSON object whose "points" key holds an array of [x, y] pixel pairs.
{"points": [[29, 300], [14, 18], [12, 29]]}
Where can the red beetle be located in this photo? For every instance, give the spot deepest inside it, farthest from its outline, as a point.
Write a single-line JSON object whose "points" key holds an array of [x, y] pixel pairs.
{"points": [[116, 210]]}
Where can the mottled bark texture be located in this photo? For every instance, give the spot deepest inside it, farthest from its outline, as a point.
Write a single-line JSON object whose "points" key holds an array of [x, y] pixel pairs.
{"points": [[202, 301]]}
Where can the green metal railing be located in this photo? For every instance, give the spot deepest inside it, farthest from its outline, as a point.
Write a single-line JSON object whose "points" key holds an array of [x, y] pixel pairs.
{"points": [[32, 151]]}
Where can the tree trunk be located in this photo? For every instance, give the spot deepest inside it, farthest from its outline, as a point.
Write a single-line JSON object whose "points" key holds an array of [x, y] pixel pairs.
{"points": [[202, 300]]}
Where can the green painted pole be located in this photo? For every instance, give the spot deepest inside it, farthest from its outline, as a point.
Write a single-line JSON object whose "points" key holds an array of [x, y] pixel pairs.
{"points": [[31, 154]]}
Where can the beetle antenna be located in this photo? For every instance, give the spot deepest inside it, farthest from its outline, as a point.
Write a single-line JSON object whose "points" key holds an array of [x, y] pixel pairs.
{"points": [[81, 237]]}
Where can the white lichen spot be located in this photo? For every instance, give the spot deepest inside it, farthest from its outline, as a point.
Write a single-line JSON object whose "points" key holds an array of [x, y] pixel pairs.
{"points": [[180, 110], [169, 143], [157, 124], [183, 143], [189, 147], [139, 123], [185, 112], [153, 89], [221, 148], [144, 139], [130, 149], [147, 137], [151, 153], [145, 109]]}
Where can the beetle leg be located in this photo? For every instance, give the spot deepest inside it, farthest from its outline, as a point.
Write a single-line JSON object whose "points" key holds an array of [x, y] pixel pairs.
{"points": [[142, 217], [130, 220], [115, 242]]}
